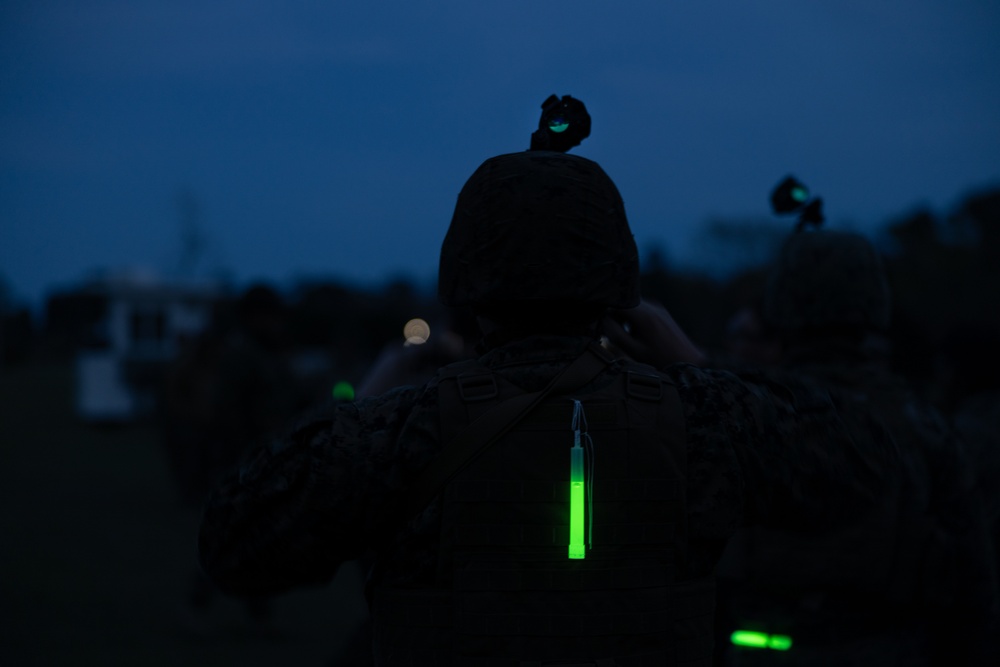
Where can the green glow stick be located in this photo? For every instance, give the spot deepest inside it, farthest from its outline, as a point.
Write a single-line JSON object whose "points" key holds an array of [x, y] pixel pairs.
{"points": [[749, 638], [752, 639], [577, 549]]}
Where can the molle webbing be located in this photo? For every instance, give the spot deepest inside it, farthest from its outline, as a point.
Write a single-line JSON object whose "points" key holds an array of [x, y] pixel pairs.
{"points": [[515, 494], [649, 507], [509, 595], [494, 418]]}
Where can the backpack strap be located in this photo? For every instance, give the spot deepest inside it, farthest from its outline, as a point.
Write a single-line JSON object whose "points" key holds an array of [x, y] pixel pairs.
{"points": [[490, 426]]}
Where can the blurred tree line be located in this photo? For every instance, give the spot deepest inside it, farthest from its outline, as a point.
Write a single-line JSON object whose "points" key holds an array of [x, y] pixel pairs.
{"points": [[17, 330], [945, 276], [944, 272]]}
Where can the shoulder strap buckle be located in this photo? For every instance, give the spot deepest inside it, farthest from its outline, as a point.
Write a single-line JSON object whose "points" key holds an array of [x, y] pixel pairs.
{"points": [[477, 387], [643, 387]]}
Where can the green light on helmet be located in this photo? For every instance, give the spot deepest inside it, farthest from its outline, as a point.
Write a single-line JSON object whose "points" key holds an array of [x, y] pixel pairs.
{"points": [[799, 194], [558, 124]]}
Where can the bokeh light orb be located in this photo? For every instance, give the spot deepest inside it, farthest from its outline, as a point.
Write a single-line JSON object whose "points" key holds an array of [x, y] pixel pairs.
{"points": [[416, 331]]}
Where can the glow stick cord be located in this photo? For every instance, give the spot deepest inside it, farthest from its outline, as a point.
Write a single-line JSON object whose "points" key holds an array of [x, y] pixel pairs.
{"points": [[590, 490]]}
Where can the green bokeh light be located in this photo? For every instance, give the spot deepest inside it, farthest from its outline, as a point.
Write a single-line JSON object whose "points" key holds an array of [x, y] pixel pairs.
{"points": [[800, 194], [343, 391]]}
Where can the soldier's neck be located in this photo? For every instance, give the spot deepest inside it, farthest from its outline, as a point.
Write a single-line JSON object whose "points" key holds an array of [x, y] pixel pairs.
{"points": [[497, 334]]}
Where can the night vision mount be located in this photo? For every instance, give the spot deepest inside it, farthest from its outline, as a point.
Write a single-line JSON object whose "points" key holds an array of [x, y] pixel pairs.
{"points": [[791, 196], [563, 125]]}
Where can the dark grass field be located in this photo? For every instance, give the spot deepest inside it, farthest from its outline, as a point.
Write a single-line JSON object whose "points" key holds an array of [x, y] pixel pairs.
{"points": [[96, 555]]}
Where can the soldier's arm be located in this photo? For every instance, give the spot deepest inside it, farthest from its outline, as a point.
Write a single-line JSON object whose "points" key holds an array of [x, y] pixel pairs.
{"points": [[303, 505], [653, 336], [784, 445], [778, 452]]}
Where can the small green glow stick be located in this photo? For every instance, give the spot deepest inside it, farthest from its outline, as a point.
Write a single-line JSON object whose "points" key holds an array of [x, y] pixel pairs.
{"points": [[749, 638], [752, 639], [577, 549]]}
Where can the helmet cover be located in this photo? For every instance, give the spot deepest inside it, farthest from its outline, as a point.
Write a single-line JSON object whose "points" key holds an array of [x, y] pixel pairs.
{"points": [[539, 226], [826, 279]]}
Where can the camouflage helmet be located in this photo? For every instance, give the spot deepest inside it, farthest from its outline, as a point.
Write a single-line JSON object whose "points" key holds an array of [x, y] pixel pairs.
{"points": [[541, 227], [827, 280]]}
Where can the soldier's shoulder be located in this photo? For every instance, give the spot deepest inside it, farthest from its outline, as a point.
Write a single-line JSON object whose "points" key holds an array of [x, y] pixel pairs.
{"points": [[334, 422], [751, 385]]}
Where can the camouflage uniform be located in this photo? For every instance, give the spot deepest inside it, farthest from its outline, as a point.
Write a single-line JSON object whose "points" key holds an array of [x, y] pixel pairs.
{"points": [[753, 449], [255, 394], [306, 504]]}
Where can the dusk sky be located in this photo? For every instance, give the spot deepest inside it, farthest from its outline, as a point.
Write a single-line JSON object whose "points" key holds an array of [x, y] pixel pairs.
{"points": [[330, 139]]}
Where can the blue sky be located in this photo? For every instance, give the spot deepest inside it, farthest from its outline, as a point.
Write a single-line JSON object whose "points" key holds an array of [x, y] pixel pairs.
{"points": [[331, 139]]}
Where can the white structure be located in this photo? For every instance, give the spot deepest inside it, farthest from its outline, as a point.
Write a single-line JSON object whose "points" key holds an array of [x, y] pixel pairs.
{"points": [[143, 323]]}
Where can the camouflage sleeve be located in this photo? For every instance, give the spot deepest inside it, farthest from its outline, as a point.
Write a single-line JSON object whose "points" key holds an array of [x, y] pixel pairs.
{"points": [[776, 451], [303, 505]]}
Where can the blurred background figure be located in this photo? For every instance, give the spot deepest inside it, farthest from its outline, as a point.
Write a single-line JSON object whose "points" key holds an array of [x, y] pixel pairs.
{"points": [[911, 583], [969, 382], [748, 341], [230, 389], [188, 400], [256, 392], [423, 351]]}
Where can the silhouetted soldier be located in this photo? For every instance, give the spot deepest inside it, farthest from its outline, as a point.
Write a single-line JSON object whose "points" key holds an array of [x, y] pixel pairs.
{"points": [[748, 341], [972, 402], [546, 503], [907, 584], [189, 399]]}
